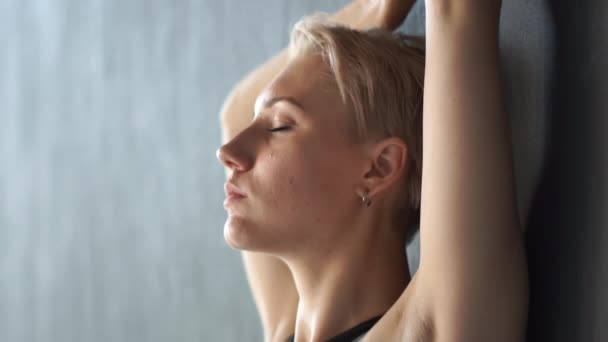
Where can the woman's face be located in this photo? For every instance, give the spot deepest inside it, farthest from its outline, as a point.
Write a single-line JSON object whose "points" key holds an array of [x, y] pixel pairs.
{"points": [[295, 164]]}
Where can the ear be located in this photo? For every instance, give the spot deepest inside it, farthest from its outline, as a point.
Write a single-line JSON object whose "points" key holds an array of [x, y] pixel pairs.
{"points": [[387, 163]]}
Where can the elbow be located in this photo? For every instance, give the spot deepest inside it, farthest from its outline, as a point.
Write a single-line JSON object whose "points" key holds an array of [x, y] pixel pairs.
{"points": [[226, 112], [234, 115]]}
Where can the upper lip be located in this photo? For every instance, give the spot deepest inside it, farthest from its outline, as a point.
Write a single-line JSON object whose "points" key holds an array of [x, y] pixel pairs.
{"points": [[232, 189]]}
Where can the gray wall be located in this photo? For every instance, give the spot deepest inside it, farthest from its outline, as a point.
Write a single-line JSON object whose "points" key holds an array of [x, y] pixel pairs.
{"points": [[567, 229], [111, 210]]}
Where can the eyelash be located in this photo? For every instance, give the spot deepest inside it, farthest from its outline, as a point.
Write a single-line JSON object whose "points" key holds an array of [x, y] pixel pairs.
{"points": [[278, 129]]}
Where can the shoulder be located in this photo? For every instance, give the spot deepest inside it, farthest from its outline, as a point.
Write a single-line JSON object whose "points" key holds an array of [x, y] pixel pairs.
{"points": [[425, 312]]}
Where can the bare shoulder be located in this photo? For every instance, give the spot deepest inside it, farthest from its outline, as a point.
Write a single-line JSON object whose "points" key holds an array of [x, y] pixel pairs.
{"points": [[477, 306], [420, 316]]}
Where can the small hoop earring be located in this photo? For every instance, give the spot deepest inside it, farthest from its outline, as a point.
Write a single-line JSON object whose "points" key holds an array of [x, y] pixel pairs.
{"points": [[366, 200]]}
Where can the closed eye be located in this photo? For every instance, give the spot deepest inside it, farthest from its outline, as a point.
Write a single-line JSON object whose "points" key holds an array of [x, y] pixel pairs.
{"points": [[278, 129]]}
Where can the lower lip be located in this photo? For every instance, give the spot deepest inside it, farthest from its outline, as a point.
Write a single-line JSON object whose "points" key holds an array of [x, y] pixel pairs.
{"points": [[232, 198]]}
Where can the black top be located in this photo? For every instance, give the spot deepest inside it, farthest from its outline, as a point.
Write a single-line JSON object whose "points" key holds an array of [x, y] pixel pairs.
{"points": [[352, 333]]}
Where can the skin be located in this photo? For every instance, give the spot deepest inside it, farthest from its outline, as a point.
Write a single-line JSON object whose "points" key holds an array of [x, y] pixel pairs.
{"points": [[304, 233], [302, 203]]}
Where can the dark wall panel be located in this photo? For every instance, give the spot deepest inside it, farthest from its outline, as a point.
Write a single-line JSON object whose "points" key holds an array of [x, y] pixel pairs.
{"points": [[567, 234]]}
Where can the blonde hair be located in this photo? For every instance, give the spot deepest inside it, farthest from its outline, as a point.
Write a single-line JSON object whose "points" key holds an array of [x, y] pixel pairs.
{"points": [[380, 76]]}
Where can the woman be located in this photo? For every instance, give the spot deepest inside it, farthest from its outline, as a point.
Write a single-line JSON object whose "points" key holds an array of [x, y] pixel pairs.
{"points": [[325, 179]]}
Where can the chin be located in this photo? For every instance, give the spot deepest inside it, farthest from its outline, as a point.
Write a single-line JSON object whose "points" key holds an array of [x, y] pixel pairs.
{"points": [[240, 234], [233, 233], [243, 235]]}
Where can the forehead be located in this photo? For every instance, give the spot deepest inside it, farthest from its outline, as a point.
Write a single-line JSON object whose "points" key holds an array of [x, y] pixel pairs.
{"points": [[307, 81]]}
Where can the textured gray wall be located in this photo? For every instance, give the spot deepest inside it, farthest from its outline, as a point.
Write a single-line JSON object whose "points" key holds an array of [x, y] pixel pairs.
{"points": [[110, 194]]}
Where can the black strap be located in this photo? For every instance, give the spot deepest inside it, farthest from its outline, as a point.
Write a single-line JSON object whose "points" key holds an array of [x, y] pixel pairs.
{"points": [[352, 333]]}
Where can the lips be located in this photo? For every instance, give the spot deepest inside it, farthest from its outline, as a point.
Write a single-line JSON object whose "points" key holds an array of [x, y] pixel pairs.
{"points": [[232, 190], [233, 195]]}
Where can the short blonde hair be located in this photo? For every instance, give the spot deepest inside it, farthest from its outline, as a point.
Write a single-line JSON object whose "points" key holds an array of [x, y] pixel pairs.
{"points": [[380, 76]]}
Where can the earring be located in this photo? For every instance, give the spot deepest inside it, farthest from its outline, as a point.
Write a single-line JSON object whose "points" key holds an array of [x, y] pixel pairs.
{"points": [[366, 200]]}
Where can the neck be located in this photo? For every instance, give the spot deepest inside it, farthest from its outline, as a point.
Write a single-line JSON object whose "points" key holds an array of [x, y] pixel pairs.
{"points": [[361, 276]]}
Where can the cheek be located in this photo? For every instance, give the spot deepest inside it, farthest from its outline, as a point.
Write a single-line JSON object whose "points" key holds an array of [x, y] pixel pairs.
{"points": [[301, 183], [275, 177], [289, 178]]}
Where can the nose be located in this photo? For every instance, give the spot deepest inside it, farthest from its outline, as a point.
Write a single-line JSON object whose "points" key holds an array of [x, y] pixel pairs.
{"points": [[233, 159]]}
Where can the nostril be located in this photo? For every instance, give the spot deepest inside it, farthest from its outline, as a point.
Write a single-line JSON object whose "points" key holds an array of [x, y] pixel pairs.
{"points": [[229, 159], [221, 156]]}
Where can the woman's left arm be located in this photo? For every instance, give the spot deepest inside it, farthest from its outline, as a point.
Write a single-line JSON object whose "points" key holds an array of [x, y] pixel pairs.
{"points": [[472, 261]]}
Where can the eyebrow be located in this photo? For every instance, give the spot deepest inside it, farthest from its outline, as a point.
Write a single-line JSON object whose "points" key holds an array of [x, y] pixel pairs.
{"points": [[270, 102]]}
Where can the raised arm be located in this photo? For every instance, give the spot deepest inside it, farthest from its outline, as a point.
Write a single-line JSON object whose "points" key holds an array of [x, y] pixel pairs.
{"points": [[472, 262]]}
